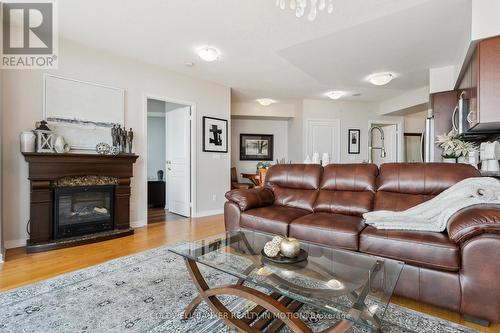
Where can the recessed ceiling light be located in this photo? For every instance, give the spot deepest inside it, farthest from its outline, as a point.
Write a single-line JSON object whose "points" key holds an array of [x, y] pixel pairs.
{"points": [[208, 53], [336, 94], [266, 101], [356, 95], [380, 79]]}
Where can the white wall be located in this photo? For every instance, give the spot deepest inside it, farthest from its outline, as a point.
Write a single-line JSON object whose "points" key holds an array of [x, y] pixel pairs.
{"points": [[355, 115], [156, 146], [295, 132], [156, 137], [1, 171], [254, 109], [22, 106], [406, 100], [485, 22], [442, 78], [415, 122], [279, 128]]}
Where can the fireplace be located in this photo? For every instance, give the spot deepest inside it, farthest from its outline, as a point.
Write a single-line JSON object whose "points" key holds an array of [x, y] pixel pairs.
{"points": [[78, 198], [83, 210]]}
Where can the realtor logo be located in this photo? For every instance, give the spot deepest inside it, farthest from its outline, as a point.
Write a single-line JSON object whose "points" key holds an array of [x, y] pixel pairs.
{"points": [[29, 39]]}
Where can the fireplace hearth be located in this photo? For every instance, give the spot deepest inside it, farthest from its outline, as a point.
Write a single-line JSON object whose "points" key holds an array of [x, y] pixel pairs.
{"points": [[78, 198]]}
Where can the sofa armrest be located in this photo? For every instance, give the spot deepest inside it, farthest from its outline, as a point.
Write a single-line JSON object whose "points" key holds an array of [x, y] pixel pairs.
{"points": [[251, 198], [474, 221]]}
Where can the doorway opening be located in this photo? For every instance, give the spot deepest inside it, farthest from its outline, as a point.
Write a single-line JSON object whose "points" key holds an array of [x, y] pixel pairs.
{"points": [[169, 162]]}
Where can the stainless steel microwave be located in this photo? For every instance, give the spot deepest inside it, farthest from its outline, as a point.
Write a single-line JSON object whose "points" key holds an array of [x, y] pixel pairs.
{"points": [[461, 115]]}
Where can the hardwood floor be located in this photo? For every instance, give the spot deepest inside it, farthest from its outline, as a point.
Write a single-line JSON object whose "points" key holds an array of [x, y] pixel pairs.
{"points": [[21, 268], [161, 215]]}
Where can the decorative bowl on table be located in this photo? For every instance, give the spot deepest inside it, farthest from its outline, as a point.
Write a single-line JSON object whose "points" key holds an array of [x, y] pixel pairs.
{"points": [[283, 250]]}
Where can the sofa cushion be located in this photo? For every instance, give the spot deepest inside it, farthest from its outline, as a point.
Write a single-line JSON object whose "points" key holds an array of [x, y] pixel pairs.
{"points": [[273, 219], [398, 202], [294, 185], [422, 249], [333, 230], [409, 184], [347, 189]]}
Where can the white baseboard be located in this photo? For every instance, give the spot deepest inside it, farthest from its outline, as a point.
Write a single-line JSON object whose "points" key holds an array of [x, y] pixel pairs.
{"points": [[11, 244], [138, 224], [209, 212]]}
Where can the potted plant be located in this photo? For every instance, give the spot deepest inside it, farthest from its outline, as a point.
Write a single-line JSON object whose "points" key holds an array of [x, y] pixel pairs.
{"points": [[448, 142], [453, 148], [463, 149], [263, 165]]}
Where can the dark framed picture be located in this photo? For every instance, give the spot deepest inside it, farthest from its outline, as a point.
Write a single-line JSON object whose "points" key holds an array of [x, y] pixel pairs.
{"points": [[214, 135], [354, 136], [256, 147]]}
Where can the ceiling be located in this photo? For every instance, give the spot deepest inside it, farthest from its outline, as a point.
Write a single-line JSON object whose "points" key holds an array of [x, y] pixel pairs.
{"points": [[267, 52]]}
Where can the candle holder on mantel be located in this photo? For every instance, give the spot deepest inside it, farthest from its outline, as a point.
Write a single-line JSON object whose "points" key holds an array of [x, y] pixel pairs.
{"points": [[44, 138]]}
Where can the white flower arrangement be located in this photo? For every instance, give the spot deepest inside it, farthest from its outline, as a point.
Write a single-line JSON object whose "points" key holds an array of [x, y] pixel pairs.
{"points": [[453, 147]]}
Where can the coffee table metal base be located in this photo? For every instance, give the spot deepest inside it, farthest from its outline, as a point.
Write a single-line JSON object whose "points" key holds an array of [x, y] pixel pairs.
{"points": [[271, 313]]}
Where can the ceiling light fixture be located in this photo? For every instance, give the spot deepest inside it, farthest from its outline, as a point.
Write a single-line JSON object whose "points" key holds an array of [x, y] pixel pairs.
{"points": [[209, 53], [335, 94], [266, 101], [380, 79], [299, 6]]}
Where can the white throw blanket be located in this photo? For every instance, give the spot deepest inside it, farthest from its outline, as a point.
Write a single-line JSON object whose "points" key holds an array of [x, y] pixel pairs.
{"points": [[433, 215]]}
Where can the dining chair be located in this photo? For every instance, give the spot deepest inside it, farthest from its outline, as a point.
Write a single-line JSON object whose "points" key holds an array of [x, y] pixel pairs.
{"points": [[234, 181]]}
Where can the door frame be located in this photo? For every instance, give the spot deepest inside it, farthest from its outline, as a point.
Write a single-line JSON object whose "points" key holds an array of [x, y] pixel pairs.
{"points": [[192, 165], [400, 141], [336, 123]]}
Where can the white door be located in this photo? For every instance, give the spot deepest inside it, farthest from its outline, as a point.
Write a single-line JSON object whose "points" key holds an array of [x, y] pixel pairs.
{"points": [[390, 143], [178, 161], [323, 137]]}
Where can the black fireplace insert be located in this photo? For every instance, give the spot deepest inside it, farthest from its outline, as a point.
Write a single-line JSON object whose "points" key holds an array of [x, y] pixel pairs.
{"points": [[83, 210]]}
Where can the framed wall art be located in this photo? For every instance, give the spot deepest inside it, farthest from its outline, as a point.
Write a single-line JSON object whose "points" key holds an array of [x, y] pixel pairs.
{"points": [[82, 112], [214, 135], [354, 136], [256, 147]]}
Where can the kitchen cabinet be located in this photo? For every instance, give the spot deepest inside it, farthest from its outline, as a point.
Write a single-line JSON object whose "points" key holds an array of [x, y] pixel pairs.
{"points": [[442, 105], [480, 84]]}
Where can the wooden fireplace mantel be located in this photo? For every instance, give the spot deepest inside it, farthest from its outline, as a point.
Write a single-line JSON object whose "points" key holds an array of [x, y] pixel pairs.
{"points": [[44, 168]]}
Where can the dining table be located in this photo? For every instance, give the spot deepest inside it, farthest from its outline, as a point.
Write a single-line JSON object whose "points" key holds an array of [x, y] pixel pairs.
{"points": [[253, 177]]}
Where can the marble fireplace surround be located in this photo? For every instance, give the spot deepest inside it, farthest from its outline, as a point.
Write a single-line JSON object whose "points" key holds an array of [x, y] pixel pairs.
{"points": [[74, 181], [47, 171]]}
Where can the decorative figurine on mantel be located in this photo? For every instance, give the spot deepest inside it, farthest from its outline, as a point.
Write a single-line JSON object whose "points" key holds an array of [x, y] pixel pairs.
{"points": [[130, 138], [114, 135], [122, 139]]}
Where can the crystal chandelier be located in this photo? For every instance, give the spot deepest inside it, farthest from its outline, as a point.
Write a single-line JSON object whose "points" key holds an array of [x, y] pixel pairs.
{"points": [[300, 7]]}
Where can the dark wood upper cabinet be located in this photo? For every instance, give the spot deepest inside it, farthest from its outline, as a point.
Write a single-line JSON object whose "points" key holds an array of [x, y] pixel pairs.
{"points": [[442, 105], [489, 81], [481, 85]]}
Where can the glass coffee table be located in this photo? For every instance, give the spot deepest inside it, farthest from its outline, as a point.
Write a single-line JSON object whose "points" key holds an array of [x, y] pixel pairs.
{"points": [[356, 288]]}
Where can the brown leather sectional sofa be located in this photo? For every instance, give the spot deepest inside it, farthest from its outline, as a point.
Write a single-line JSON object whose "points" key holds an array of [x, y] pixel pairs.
{"points": [[458, 269]]}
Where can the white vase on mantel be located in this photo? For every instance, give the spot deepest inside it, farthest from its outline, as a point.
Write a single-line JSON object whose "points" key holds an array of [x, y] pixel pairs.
{"points": [[307, 160], [462, 160]]}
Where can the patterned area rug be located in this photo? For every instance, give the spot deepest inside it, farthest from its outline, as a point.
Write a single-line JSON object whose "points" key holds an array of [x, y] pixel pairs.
{"points": [[147, 292]]}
